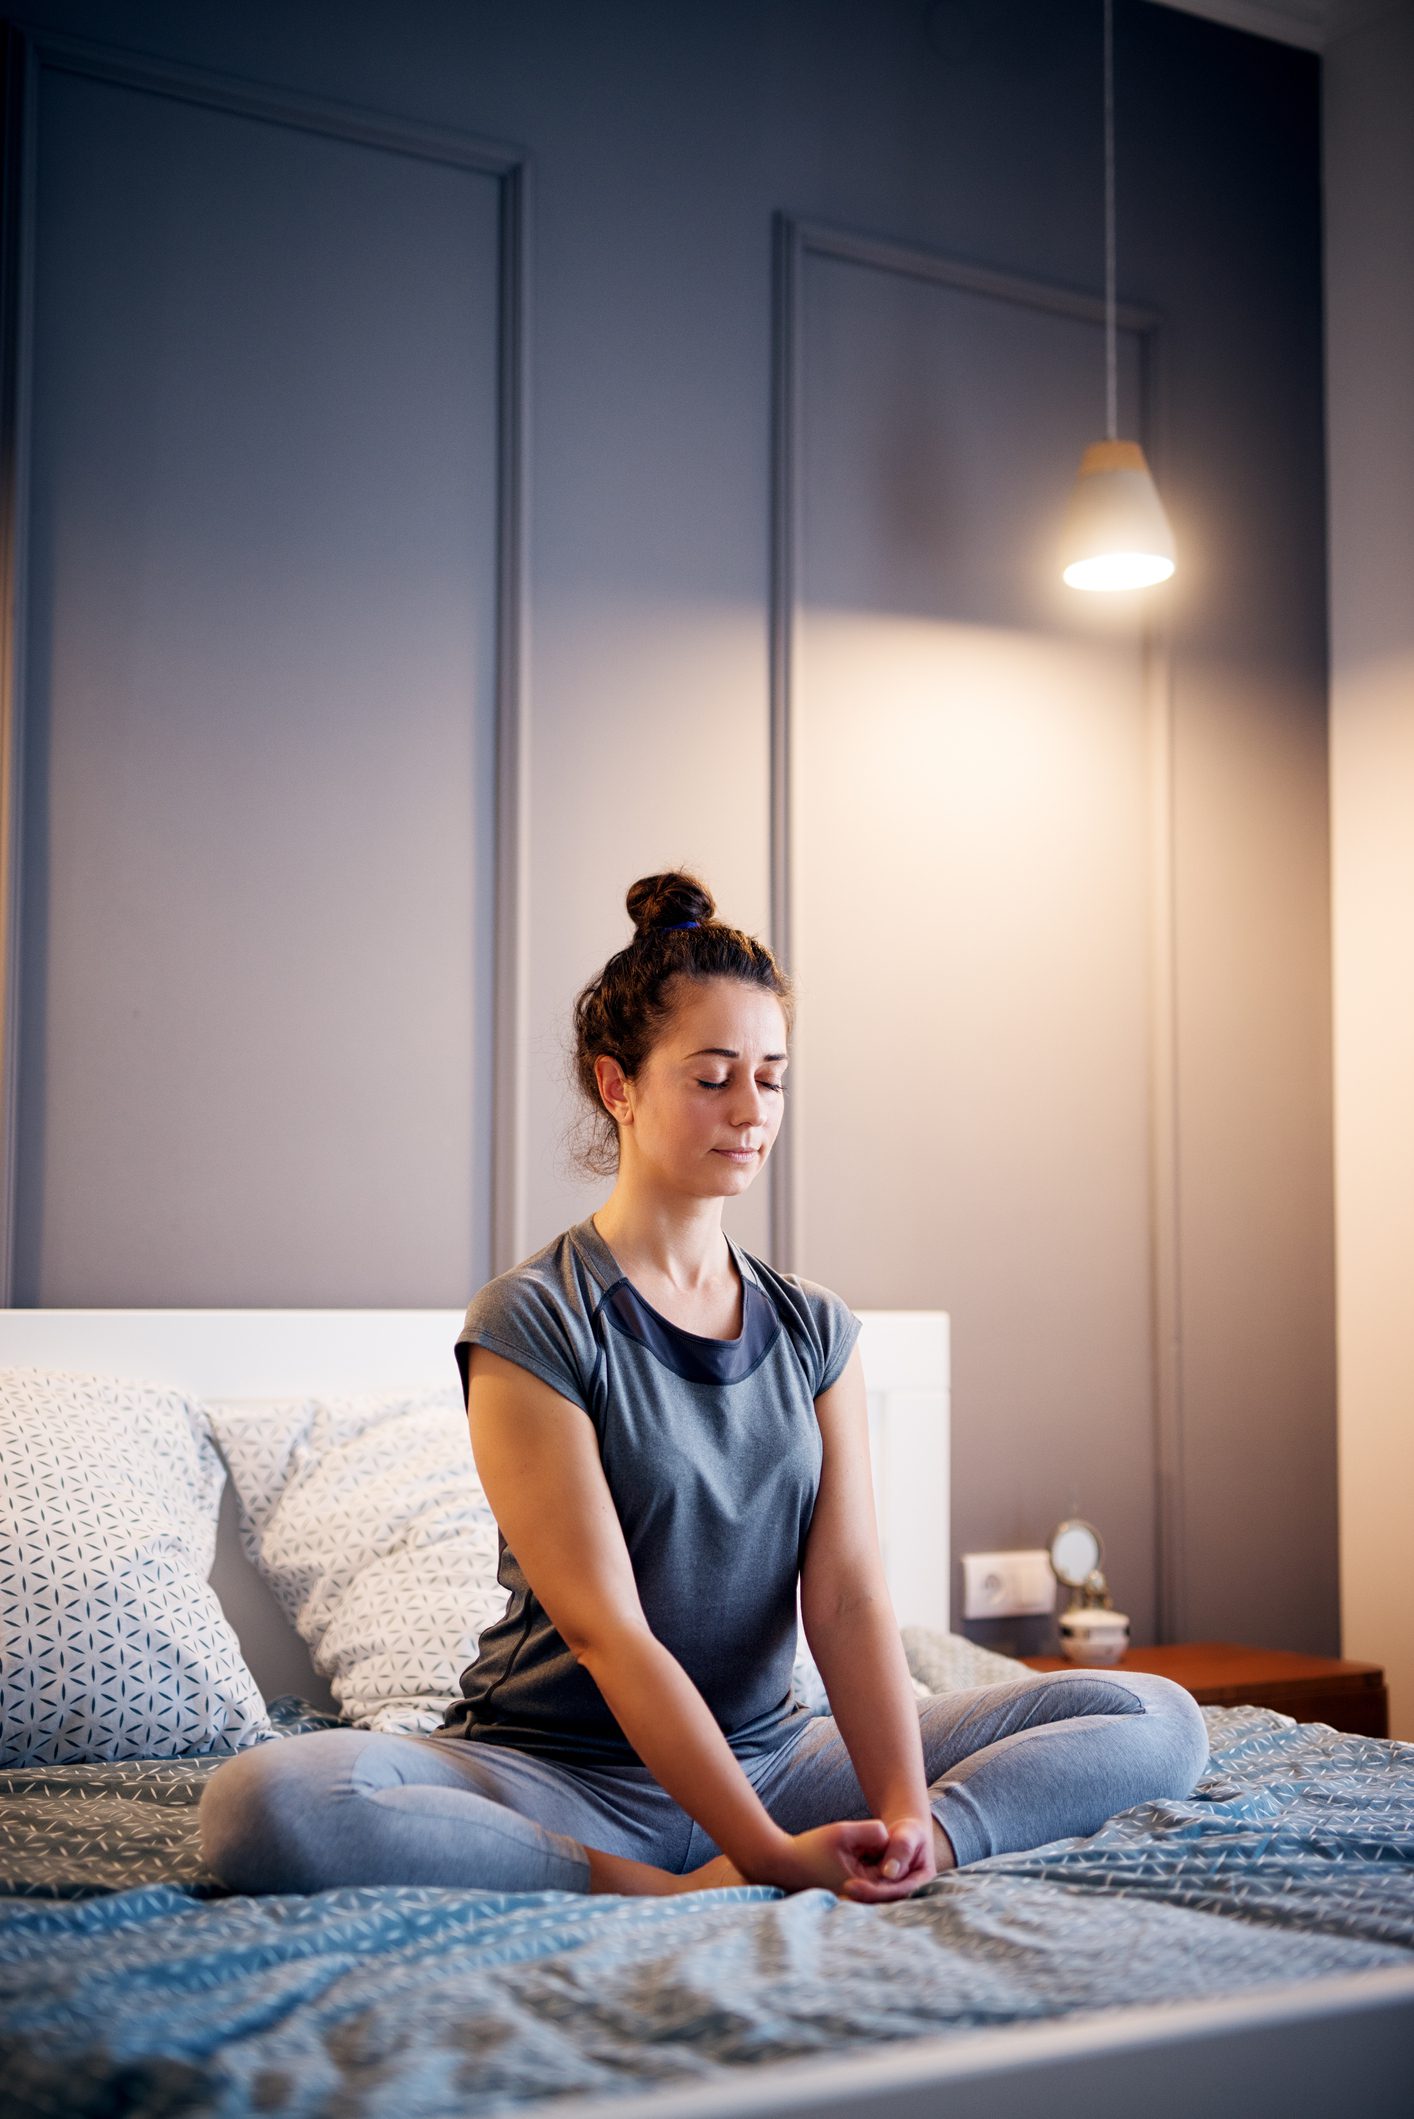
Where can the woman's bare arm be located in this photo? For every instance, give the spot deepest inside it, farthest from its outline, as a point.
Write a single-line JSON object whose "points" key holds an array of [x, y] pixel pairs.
{"points": [[849, 1617]]}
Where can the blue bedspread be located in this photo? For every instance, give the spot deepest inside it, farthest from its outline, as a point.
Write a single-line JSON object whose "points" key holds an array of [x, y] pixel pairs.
{"points": [[130, 1982]]}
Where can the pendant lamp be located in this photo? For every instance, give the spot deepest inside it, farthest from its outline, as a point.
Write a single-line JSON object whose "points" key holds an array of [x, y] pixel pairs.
{"points": [[1116, 533]]}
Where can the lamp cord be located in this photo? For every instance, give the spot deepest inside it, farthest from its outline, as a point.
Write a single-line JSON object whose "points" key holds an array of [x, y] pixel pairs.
{"points": [[1111, 378]]}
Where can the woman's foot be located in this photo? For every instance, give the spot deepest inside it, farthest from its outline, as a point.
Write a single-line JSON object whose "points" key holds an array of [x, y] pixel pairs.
{"points": [[632, 1879], [641, 1879], [719, 1874]]}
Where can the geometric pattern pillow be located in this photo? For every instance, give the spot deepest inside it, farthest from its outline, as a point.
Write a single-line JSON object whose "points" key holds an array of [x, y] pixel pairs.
{"points": [[113, 1644], [946, 1662], [808, 1687], [367, 1520], [937, 1662]]}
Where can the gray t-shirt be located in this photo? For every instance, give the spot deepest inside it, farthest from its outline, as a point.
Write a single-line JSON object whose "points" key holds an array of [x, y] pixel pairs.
{"points": [[712, 1453]]}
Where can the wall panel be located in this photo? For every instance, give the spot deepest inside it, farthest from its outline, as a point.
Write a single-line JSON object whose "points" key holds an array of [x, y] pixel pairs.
{"points": [[259, 789], [970, 888]]}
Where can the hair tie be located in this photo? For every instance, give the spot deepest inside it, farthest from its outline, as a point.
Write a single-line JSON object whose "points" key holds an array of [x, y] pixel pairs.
{"points": [[677, 924]]}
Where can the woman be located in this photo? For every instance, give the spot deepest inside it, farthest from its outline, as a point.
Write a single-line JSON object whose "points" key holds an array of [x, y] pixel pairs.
{"points": [[672, 1435]]}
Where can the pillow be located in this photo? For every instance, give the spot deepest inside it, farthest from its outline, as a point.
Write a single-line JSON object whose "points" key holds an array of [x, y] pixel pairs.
{"points": [[365, 1516], [367, 1520], [808, 1687], [113, 1644], [937, 1662], [947, 1662]]}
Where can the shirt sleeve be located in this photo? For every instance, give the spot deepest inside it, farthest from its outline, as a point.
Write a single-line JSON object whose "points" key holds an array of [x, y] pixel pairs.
{"points": [[839, 1328], [831, 1328], [518, 1318]]}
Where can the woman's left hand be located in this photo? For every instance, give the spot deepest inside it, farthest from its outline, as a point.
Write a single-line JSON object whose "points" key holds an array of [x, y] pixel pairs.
{"points": [[909, 1848]]}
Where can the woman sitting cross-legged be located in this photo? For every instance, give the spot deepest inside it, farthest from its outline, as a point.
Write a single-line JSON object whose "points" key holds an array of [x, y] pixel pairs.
{"points": [[673, 1438]]}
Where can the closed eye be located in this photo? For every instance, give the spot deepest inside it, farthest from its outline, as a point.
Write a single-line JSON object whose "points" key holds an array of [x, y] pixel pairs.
{"points": [[779, 1087]]}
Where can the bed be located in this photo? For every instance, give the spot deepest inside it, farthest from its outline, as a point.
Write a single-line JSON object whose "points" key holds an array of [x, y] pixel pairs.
{"points": [[1247, 1950]]}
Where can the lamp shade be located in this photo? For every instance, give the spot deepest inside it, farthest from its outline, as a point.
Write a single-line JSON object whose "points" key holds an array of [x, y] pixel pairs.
{"points": [[1116, 534]]}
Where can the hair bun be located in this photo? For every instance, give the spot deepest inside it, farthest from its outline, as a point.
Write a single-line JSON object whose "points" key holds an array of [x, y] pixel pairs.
{"points": [[668, 900]]}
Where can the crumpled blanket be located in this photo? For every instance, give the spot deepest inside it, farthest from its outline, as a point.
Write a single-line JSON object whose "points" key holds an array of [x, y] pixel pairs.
{"points": [[131, 1981]]}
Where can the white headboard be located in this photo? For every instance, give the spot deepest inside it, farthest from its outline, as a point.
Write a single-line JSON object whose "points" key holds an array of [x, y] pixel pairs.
{"points": [[291, 1353]]}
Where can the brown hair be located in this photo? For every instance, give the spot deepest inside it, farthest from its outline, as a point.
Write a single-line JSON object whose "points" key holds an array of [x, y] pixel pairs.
{"points": [[624, 1011]]}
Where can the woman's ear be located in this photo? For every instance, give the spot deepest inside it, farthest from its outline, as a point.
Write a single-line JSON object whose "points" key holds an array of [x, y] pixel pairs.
{"points": [[613, 1088]]}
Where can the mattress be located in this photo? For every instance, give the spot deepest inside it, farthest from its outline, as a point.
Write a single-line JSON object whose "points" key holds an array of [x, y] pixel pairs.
{"points": [[131, 1980]]}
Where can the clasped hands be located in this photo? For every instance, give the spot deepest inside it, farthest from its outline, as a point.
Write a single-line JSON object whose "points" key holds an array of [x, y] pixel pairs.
{"points": [[869, 1859]]}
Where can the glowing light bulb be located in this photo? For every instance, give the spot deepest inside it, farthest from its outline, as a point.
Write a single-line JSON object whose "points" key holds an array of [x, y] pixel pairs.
{"points": [[1118, 570], [1116, 534]]}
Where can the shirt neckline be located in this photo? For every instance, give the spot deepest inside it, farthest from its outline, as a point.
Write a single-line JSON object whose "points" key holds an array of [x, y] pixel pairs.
{"points": [[591, 1241]]}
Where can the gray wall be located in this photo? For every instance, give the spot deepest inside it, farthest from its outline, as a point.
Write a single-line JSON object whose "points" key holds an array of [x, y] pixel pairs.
{"points": [[1107, 906], [972, 898], [259, 711]]}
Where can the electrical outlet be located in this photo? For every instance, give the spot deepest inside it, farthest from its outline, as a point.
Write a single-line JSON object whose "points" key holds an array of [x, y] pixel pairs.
{"points": [[1007, 1585]]}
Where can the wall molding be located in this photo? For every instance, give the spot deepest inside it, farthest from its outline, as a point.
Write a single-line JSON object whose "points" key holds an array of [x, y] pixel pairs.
{"points": [[795, 242], [27, 55]]}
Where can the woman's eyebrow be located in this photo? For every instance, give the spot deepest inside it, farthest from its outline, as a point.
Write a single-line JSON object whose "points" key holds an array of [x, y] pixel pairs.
{"points": [[726, 1052]]}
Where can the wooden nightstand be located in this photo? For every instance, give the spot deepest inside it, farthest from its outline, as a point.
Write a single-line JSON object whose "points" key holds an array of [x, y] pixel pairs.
{"points": [[1313, 1688]]}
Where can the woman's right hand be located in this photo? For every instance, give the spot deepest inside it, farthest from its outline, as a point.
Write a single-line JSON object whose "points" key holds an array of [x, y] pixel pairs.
{"points": [[830, 1857]]}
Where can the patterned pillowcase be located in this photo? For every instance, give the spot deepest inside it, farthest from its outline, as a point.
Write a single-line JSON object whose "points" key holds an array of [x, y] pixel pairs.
{"points": [[806, 1684], [937, 1662], [948, 1662], [112, 1642], [366, 1518]]}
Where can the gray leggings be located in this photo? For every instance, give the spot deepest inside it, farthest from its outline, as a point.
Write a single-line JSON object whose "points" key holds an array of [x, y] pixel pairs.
{"points": [[1008, 1766]]}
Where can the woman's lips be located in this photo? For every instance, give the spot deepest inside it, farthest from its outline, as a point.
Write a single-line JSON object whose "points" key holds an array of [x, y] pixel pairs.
{"points": [[738, 1155]]}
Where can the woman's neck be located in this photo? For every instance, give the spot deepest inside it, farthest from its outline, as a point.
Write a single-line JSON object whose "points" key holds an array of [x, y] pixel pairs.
{"points": [[680, 1247]]}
